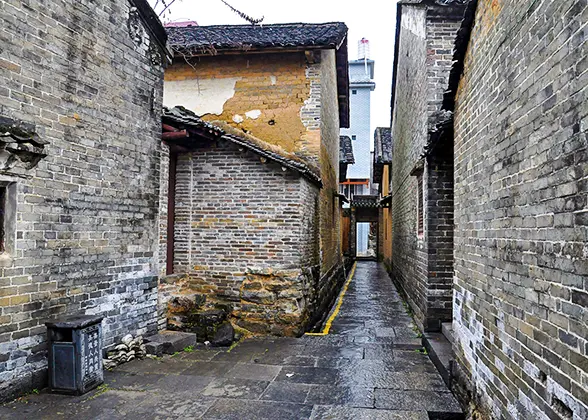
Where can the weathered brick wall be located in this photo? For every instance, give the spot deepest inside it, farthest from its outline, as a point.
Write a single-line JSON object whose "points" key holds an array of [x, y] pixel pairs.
{"points": [[331, 257], [164, 169], [330, 234], [297, 98], [86, 229], [439, 199], [420, 263], [521, 234], [409, 131], [298, 103], [246, 234]]}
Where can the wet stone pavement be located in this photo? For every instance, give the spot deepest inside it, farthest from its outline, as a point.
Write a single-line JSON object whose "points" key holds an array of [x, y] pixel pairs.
{"points": [[367, 367]]}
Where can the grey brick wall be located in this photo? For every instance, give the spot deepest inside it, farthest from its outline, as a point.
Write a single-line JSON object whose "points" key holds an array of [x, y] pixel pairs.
{"points": [[409, 131], [439, 231], [521, 221], [86, 228], [422, 264], [246, 233]]}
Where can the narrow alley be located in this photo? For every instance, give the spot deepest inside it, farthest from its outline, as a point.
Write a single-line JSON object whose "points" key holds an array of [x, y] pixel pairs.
{"points": [[370, 366]]}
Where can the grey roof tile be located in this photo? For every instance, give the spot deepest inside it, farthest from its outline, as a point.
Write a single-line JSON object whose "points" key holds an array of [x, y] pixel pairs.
{"points": [[204, 39], [346, 150]]}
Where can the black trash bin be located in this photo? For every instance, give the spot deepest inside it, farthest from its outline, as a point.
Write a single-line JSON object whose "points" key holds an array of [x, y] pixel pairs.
{"points": [[75, 354]]}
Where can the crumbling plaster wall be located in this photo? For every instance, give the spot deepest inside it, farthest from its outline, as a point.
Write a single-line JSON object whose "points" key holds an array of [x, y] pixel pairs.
{"points": [[261, 93], [521, 226], [86, 74]]}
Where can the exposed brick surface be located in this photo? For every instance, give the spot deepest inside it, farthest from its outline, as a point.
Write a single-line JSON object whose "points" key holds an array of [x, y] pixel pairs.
{"points": [[520, 210], [86, 230]]}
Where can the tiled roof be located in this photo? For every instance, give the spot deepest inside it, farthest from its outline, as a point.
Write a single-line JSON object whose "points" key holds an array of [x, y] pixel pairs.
{"points": [[212, 40], [451, 2], [383, 145], [203, 39], [181, 118], [184, 116], [439, 2], [369, 201], [346, 150], [382, 152]]}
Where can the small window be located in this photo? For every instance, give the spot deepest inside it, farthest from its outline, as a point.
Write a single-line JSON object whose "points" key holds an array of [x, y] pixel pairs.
{"points": [[354, 137], [7, 217], [420, 206], [354, 92]]}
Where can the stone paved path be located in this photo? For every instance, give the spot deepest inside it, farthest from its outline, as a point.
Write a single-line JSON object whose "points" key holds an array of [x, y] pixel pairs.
{"points": [[368, 367]]}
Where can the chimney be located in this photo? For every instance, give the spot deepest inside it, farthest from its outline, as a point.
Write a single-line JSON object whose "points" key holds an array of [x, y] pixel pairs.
{"points": [[363, 49]]}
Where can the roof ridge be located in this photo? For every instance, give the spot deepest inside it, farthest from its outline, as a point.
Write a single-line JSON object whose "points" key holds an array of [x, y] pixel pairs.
{"points": [[259, 25]]}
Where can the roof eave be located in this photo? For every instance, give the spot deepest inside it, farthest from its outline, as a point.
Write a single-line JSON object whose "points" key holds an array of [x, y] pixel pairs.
{"points": [[154, 27], [342, 68], [248, 49]]}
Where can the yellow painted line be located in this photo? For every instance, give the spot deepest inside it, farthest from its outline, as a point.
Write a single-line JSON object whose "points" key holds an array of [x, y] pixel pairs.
{"points": [[327, 327]]}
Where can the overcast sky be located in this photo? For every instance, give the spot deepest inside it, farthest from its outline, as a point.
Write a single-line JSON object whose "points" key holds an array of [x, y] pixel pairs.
{"points": [[372, 19]]}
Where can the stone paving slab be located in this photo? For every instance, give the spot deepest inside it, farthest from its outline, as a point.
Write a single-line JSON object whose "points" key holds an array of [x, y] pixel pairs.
{"points": [[286, 391], [258, 410], [366, 368], [337, 412], [438, 404]]}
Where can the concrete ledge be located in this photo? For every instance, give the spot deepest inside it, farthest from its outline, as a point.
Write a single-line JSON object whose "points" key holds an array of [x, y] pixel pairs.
{"points": [[441, 353], [169, 342], [447, 330]]}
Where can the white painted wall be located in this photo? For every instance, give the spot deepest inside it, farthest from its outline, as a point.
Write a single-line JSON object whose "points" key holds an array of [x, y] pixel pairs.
{"points": [[200, 96]]}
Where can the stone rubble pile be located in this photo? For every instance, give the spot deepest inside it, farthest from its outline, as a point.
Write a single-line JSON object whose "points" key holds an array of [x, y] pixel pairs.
{"points": [[130, 348]]}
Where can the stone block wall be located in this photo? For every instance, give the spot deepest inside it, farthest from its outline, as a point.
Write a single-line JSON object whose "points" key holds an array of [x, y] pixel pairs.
{"points": [[421, 262], [521, 221], [246, 234], [88, 77]]}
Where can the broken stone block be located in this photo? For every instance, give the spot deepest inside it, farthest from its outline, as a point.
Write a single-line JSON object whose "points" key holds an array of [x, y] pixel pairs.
{"points": [[171, 341], [186, 303], [224, 335], [155, 349], [127, 339], [205, 323], [262, 296]]}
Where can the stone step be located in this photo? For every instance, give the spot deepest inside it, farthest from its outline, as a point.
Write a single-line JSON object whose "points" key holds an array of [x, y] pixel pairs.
{"points": [[447, 331], [169, 342], [441, 353]]}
